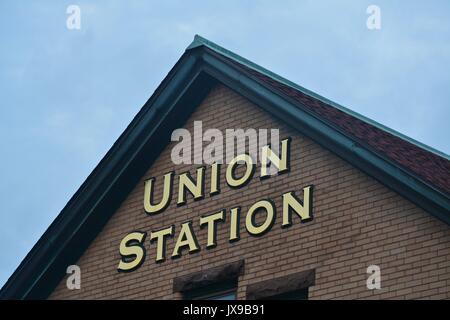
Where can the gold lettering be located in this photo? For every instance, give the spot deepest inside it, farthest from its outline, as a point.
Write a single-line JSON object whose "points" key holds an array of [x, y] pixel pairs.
{"points": [[132, 251], [186, 238], [148, 194], [282, 164], [186, 183], [253, 229], [215, 174], [211, 221], [291, 203], [234, 182], [160, 238], [234, 224]]}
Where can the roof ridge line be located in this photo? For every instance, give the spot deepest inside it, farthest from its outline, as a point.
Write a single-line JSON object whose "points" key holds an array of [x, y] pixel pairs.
{"points": [[200, 41]]}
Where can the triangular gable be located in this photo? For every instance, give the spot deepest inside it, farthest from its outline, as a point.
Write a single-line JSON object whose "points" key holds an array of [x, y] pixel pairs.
{"points": [[366, 145]]}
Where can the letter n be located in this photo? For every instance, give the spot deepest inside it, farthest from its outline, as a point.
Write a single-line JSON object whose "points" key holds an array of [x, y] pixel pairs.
{"points": [[292, 204]]}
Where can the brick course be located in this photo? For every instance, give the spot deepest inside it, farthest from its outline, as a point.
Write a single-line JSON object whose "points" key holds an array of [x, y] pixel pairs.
{"points": [[357, 222]]}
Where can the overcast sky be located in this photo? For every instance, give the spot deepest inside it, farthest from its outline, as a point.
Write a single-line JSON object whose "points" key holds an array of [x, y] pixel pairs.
{"points": [[66, 95]]}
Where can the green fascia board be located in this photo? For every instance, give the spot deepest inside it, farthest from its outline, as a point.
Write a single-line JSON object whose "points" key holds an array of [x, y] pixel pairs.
{"points": [[200, 41], [81, 208]]}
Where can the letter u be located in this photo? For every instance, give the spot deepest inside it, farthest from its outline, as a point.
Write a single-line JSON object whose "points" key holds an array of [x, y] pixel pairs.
{"points": [[151, 208]]}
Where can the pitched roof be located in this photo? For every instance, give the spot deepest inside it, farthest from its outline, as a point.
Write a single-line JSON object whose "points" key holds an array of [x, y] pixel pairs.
{"points": [[426, 164], [415, 171], [430, 165]]}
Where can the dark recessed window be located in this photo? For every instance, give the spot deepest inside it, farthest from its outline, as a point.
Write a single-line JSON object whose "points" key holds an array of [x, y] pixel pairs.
{"points": [[293, 286], [293, 295], [218, 291]]}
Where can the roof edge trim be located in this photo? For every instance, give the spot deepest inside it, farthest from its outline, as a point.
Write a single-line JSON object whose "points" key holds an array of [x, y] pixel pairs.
{"points": [[200, 41]]}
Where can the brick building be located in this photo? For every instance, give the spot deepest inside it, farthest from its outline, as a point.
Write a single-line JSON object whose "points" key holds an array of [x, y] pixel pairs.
{"points": [[376, 198]]}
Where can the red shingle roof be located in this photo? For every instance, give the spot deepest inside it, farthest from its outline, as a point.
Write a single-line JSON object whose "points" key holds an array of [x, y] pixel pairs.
{"points": [[424, 164]]}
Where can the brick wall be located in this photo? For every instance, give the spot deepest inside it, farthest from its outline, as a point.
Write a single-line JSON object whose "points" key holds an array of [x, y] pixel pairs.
{"points": [[357, 222]]}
